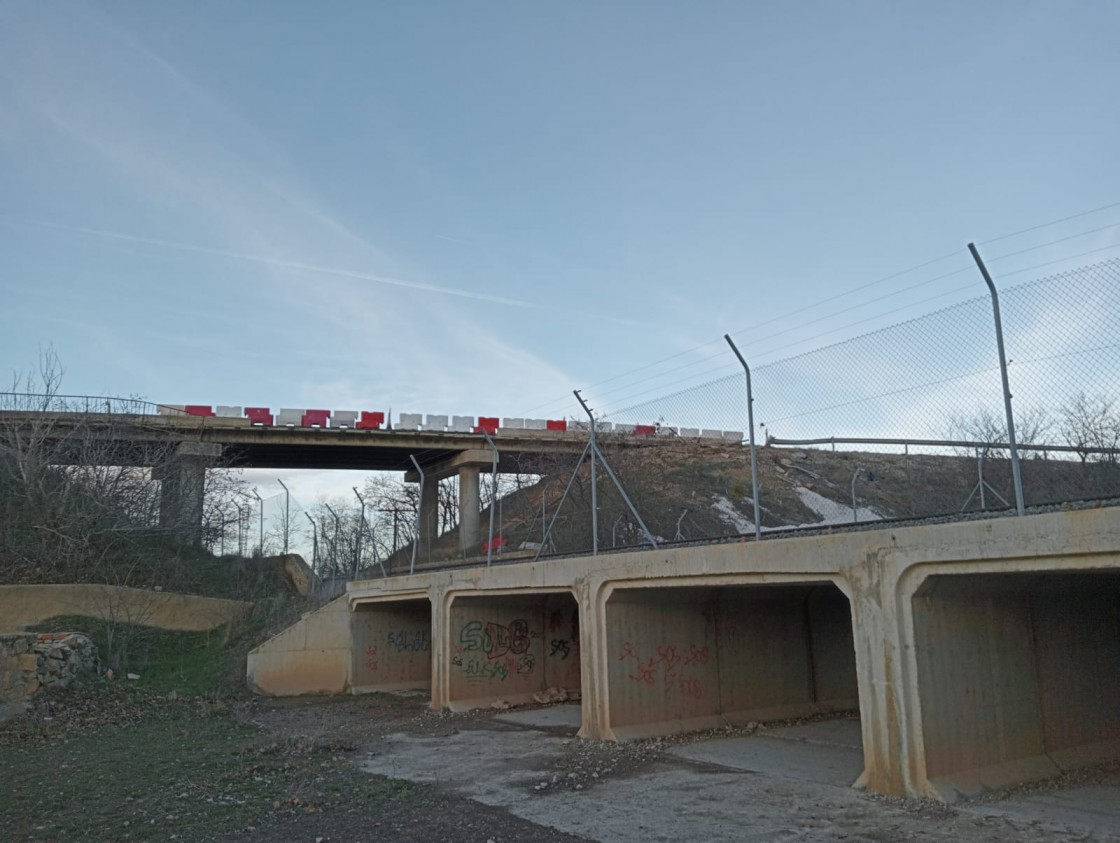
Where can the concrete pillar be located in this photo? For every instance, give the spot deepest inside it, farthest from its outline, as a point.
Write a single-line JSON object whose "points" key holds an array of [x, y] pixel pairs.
{"points": [[429, 520], [182, 487], [468, 508]]}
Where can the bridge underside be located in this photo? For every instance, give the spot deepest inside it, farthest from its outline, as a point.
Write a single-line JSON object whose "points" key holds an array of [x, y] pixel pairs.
{"points": [[978, 654]]}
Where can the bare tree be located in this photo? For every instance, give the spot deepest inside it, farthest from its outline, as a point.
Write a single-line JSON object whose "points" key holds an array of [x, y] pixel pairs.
{"points": [[1091, 425]]}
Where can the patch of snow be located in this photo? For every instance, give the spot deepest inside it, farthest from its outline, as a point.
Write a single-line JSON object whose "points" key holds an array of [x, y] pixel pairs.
{"points": [[831, 512], [731, 516]]}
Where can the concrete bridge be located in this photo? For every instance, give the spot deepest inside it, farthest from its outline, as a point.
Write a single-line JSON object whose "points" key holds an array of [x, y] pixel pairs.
{"points": [[979, 654], [180, 448]]}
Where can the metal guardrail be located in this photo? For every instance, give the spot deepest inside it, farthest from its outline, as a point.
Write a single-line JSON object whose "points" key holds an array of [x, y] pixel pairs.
{"points": [[972, 445]]}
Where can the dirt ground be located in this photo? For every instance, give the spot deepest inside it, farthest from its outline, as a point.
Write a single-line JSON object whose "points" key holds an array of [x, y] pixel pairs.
{"points": [[123, 764], [647, 790]]}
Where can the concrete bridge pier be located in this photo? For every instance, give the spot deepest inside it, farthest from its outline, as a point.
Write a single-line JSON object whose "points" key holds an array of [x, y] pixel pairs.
{"points": [[467, 465], [183, 488]]}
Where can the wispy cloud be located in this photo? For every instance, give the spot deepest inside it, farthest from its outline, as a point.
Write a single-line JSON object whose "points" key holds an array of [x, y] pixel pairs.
{"points": [[282, 262]]}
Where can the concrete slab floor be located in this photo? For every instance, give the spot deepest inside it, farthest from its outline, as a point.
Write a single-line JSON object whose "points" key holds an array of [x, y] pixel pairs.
{"points": [[550, 717], [667, 797], [1094, 807], [826, 752]]}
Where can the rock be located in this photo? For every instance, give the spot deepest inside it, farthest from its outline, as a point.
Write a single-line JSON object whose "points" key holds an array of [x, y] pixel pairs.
{"points": [[132, 676], [500, 705], [552, 695]]}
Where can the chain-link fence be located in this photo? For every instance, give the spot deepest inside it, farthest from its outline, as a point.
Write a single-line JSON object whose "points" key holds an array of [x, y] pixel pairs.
{"points": [[909, 420]]}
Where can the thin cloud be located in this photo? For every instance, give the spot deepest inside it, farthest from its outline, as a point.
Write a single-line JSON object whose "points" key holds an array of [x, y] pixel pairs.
{"points": [[284, 263]]}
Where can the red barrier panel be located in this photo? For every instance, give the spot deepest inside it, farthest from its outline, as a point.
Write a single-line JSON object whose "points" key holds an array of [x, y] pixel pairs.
{"points": [[490, 425], [644, 430], [316, 418], [556, 424], [259, 415], [370, 421], [198, 410], [499, 542]]}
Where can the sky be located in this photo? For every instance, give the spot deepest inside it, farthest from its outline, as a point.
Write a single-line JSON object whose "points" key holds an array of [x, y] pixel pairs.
{"points": [[475, 208]]}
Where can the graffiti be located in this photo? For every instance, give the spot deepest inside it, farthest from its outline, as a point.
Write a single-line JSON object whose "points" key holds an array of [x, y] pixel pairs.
{"points": [[485, 669], [561, 647], [418, 641], [457, 661], [373, 658], [690, 688], [666, 663], [495, 640], [696, 654]]}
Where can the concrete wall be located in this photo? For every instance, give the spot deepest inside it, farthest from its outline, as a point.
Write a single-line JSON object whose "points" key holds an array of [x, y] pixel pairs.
{"points": [[392, 645], [26, 605], [1018, 676], [509, 647], [311, 657], [975, 647], [692, 658]]}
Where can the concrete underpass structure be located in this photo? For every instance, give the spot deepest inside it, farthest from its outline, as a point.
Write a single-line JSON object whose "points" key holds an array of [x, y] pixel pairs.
{"points": [[979, 654]]}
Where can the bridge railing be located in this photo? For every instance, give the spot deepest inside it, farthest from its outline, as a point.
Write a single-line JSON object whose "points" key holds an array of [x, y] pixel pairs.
{"points": [[37, 402]]}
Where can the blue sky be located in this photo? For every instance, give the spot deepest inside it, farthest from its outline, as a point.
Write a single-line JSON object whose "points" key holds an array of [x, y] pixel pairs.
{"points": [[477, 207]]}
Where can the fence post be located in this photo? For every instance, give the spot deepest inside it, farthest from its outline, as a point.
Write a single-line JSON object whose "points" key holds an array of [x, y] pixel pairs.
{"points": [[493, 497], [594, 488], [419, 513], [750, 427], [1016, 476]]}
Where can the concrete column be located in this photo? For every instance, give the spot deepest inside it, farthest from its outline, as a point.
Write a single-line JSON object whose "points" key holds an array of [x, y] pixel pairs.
{"points": [[468, 508], [182, 487], [429, 519], [891, 749]]}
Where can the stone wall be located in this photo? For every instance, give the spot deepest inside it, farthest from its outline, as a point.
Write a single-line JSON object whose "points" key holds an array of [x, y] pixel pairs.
{"points": [[30, 661]]}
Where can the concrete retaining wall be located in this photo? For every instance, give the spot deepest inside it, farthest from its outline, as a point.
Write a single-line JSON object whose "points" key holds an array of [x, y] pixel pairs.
{"points": [[22, 606], [312, 657]]}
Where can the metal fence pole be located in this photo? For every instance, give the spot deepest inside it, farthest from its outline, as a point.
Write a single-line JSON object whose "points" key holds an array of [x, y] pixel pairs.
{"points": [[361, 527], [334, 541], [419, 508], [260, 503], [287, 513], [594, 487], [1016, 476], [314, 544], [493, 498], [750, 428]]}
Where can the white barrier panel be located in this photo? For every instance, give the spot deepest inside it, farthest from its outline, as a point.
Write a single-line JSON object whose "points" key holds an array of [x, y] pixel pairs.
{"points": [[516, 424], [288, 417], [711, 434], [690, 432], [666, 431], [344, 418], [733, 435], [604, 427], [410, 421], [171, 409], [623, 428], [227, 412], [461, 424], [435, 423], [536, 424], [579, 425]]}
